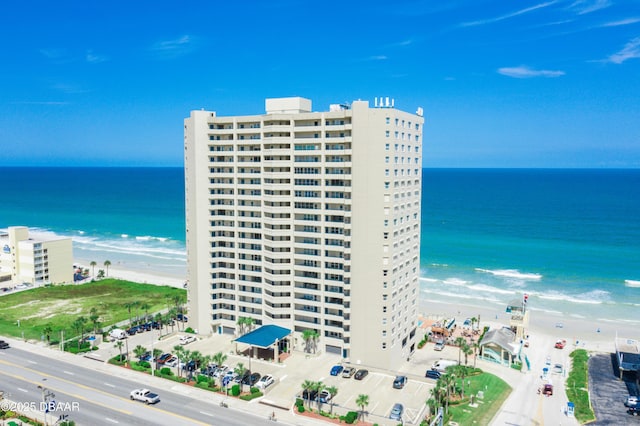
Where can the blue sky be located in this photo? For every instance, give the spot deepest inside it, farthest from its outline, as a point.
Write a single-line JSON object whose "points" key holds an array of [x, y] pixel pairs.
{"points": [[502, 83]]}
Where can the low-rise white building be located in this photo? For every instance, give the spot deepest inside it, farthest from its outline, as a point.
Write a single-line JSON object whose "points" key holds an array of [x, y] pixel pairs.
{"points": [[34, 260]]}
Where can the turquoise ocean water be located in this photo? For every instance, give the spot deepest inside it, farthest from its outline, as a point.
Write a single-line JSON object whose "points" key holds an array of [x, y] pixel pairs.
{"points": [[570, 239]]}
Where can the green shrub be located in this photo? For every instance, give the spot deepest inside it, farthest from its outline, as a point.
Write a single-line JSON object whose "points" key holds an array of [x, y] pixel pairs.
{"points": [[299, 402], [350, 417], [300, 408], [144, 364], [251, 396], [254, 390], [166, 371], [202, 379], [189, 330], [235, 390]]}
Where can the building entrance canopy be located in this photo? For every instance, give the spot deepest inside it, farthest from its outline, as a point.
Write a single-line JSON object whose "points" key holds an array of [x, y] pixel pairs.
{"points": [[264, 336]]}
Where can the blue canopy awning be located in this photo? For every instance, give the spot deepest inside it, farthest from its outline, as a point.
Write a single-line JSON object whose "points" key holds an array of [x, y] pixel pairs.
{"points": [[264, 336]]}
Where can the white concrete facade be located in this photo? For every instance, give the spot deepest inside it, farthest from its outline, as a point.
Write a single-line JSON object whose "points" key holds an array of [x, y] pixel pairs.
{"points": [[307, 220], [35, 260]]}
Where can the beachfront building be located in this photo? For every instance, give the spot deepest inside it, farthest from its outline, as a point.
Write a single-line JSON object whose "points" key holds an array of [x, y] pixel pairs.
{"points": [[500, 345], [40, 260], [628, 356], [309, 221]]}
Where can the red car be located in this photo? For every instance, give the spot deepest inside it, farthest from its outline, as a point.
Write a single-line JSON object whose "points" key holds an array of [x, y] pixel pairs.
{"points": [[560, 344], [547, 390]]}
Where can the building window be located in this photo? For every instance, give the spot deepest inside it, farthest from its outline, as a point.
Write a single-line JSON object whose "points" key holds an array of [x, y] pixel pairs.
{"points": [[388, 120], [387, 133], [386, 146]]}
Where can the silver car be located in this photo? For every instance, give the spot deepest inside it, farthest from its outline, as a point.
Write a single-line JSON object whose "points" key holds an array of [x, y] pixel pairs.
{"points": [[396, 411]]}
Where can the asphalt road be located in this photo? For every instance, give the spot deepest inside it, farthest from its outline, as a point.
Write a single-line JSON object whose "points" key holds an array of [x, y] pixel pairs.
{"points": [[91, 397]]}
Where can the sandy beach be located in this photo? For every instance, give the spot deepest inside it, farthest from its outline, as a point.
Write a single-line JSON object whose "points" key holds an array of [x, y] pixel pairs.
{"points": [[590, 335], [148, 276]]}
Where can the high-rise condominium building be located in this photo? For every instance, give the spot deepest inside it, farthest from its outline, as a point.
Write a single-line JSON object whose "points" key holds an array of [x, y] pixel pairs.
{"points": [[309, 221]]}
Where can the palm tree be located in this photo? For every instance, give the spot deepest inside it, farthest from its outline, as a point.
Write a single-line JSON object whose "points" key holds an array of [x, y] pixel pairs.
{"points": [[139, 351], [180, 354], [307, 387], [333, 391], [106, 265], [93, 267], [218, 359], [145, 307], [459, 342], [197, 357], [467, 350], [474, 320], [460, 371], [476, 346], [79, 325], [129, 305], [119, 345], [240, 370], [448, 382], [94, 317], [318, 387], [47, 330], [362, 401]]}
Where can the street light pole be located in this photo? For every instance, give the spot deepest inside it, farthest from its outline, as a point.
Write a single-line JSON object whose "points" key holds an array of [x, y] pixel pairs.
{"points": [[152, 356], [46, 395]]}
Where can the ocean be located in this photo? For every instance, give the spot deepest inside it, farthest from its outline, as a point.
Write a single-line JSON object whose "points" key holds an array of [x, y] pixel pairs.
{"points": [[569, 239]]}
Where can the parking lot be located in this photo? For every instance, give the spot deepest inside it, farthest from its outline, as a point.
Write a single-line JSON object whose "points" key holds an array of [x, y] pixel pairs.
{"points": [[299, 367], [608, 392]]}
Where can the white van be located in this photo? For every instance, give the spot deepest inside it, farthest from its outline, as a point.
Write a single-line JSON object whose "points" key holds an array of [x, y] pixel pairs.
{"points": [[442, 364], [118, 334]]}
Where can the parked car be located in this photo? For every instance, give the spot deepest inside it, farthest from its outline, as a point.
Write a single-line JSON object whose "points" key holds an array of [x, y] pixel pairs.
{"points": [[632, 401], [251, 379], [172, 362], [144, 395], [560, 344], [361, 374], [399, 382], [396, 411], [186, 339], [433, 374], [192, 365], [309, 395], [182, 317], [222, 370], [439, 346], [132, 330], [557, 369], [146, 356], [336, 369], [4, 345], [241, 379], [547, 389], [163, 358], [634, 411], [266, 381], [324, 397], [348, 372]]}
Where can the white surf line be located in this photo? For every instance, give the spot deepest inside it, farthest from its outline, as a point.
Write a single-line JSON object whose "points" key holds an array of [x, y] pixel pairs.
{"points": [[111, 420], [109, 384], [206, 414]]}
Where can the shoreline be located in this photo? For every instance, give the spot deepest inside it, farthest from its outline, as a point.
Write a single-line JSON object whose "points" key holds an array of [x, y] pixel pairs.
{"points": [[593, 335]]}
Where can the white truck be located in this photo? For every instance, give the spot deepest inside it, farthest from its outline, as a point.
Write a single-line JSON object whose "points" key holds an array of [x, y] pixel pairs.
{"points": [[117, 334], [144, 395], [442, 364]]}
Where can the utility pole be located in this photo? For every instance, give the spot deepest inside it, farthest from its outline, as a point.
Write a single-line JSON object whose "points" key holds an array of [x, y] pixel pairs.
{"points": [[46, 398]]}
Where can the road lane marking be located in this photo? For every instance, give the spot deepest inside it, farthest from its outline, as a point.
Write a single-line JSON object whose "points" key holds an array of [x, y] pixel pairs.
{"points": [[206, 414], [69, 372], [110, 385], [31, 362], [23, 390], [111, 420], [82, 398]]}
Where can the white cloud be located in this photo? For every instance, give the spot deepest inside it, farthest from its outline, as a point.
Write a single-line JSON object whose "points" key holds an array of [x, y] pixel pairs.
{"points": [[94, 58], [378, 58], [582, 7], [508, 15], [174, 48], [621, 22], [526, 72], [631, 50]]}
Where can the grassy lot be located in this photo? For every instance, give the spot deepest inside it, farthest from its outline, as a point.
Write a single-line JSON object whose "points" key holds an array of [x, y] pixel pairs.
{"points": [[578, 388], [58, 307], [495, 391]]}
